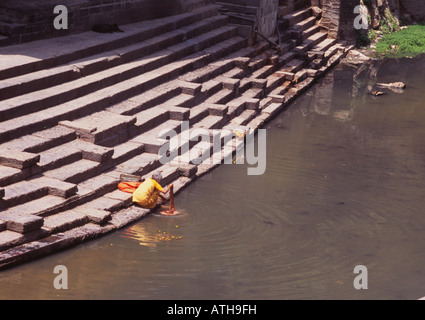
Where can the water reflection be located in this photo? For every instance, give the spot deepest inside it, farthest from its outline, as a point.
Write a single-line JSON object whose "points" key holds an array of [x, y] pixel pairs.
{"points": [[146, 237]]}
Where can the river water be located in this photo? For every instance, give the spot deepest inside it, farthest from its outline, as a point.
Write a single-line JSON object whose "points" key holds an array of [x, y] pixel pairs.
{"points": [[344, 186]]}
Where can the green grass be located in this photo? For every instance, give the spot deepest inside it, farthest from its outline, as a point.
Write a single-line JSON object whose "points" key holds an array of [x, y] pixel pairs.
{"points": [[406, 42]]}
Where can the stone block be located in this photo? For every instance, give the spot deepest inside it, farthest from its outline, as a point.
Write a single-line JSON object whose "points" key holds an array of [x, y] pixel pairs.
{"points": [[64, 221], [56, 187], [217, 109], [22, 223], [100, 126], [93, 152], [17, 159]]}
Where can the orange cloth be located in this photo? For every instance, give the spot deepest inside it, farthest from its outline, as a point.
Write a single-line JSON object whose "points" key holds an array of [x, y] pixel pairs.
{"points": [[129, 186]]}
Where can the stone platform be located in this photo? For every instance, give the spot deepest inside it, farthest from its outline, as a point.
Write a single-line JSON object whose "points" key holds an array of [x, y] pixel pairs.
{"points": [[77, 112]]}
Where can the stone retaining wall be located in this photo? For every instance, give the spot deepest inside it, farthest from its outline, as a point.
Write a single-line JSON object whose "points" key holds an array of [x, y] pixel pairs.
{"points": [[24, 20]]}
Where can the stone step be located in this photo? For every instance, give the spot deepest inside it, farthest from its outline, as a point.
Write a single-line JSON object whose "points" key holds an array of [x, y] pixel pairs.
{"points": [[221, 97], [59, 156], [99, 185], [125, 151], [149, 119], [22, 224], [76, 172], [41, 207], [216, 68], [102, 128], [65, 221], [297, 16], [323, 46], [140, 165], [22, 192], [311, 41], [154, 138], [148, 99], [17, 159], [53, 52], [98, 100], [43, 79], [9, 175], [310, 31], [305, 24], [24, 104], [211, 122], [245, 117], [42, 140]]}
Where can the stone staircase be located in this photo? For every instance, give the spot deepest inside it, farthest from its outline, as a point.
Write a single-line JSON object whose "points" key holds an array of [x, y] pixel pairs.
{"points": [[77, 112]]}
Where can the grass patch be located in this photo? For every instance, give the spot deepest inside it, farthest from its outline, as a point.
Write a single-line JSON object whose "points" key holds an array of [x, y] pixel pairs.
{"points": [[406, 42]]}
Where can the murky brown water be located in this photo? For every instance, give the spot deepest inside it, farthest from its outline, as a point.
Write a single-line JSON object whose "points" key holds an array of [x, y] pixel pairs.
{"points": [[344, 186]]}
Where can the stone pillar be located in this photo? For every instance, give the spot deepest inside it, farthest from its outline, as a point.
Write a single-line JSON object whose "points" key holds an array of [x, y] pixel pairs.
{"points": [[330, 17], [267, 17]]}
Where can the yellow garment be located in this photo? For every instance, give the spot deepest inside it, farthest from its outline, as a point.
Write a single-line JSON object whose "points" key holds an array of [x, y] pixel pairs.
{"points": [[147, 193]]}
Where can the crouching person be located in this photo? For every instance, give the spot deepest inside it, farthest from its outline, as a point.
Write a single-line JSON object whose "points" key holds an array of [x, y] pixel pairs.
{"points": [[148, 192]]}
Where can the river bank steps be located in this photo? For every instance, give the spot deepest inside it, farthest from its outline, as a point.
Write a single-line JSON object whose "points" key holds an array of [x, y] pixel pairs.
{"points": [[78, 111]]}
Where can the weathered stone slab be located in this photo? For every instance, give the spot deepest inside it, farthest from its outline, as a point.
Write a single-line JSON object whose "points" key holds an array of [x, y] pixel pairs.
{"points": [[124, 197], [56, 187], [9, 239], [273, 109], [217, 109], [17, 159], [127, 150], [76, 171], [190, 87], [40, 207], [245, 117], [100, 126], [21, 223], [95, 215], [188, 170], [140, 165], [55, 136], [9, 175], [21, 192], [59, 156], [91, 151], [176, 112], [123, 217], [28, 143], [64, 221], [104, 203]]}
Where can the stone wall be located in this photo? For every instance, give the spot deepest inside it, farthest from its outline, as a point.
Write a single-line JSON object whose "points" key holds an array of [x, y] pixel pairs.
{"points": [[27, 20], [414, 8]]}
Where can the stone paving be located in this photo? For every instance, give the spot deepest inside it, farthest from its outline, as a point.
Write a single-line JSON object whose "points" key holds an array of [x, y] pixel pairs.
{"points": [[77, 112]]}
